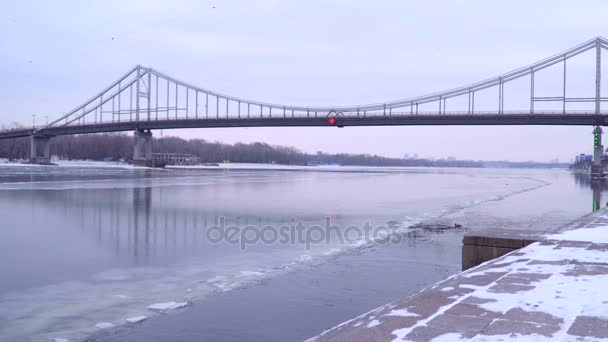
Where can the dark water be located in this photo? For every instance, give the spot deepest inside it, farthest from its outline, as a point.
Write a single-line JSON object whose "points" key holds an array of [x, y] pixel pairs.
{"points": [[90, 245]]}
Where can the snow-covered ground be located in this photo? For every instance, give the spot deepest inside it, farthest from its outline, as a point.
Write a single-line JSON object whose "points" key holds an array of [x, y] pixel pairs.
{"points": [[219, 166], [72, 163], [254, 166], [553, 290], [597, 234]]}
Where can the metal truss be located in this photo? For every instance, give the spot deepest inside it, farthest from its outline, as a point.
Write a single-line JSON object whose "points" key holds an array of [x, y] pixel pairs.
{"points": [[145, 97]]}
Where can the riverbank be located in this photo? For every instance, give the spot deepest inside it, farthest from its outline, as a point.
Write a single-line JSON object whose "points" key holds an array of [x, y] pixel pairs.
{"points": [[282, 167], [553, 289]]}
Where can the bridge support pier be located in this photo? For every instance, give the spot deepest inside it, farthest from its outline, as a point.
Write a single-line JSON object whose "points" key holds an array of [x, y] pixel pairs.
{"points": [[142, 153], [597, 168], [40, 144]]}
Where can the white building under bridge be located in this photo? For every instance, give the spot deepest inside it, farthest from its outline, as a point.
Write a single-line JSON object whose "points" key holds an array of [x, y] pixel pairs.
{"points": [[176, 158]]}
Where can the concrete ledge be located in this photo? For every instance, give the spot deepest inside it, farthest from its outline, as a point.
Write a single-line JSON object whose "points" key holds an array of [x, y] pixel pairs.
{"points": [[488, 244], [473, 255]]}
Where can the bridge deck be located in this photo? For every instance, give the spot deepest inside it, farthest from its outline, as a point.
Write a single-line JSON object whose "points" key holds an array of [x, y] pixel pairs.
{"points": [[567, 119]]}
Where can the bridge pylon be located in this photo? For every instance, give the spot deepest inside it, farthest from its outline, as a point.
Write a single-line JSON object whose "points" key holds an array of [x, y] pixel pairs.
{"points": [[597, 168], [40, 143], [142, 152]]}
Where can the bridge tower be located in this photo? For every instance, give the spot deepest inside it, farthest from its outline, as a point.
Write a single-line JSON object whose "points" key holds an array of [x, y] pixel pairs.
{"points": [[142, 153], [597, 169], [40, 143]]}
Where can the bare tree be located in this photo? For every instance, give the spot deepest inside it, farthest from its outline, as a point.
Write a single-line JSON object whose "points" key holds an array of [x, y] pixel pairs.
{"points": [[116, 146]]}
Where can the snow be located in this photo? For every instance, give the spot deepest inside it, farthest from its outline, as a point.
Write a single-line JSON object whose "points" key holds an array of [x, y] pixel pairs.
{"points": [[547, 253], [74, 163], [167, 306], [304, 258], [449, 337], [373, 323], [401, 313], [565, 294], [595, 234], [255, 166], [104, 325], [332, 251], [560, 295], [251, 274], [216, 279], [526, 338], [136, 319], [358, 243]]}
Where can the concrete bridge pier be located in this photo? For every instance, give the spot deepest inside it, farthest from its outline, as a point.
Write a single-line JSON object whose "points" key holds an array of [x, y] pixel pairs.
{"points": [[142, 153], [597, 169], [39, 144]]}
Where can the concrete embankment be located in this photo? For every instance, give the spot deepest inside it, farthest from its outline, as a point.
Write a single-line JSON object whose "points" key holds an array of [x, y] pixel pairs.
{"points": [[515, 286]]}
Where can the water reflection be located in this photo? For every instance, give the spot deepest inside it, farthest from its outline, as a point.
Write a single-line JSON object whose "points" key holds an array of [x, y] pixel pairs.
{"points": [[146, 227], [598, 187], [161, 225]]}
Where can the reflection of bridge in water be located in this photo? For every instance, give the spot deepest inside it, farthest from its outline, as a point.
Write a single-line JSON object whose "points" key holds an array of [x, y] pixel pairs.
{"points": [[598, 186], [139, 224], [145, 99], [162, 224]]}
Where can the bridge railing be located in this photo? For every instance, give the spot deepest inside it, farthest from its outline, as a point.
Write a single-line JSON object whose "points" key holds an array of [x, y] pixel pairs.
{"points": [[232, 117]]}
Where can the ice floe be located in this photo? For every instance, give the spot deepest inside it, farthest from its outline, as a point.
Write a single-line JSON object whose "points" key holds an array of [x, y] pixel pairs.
{"points": [[136, 319], [167, 306], [251, 274], [332, 251], [304, 258], [104, 325]]}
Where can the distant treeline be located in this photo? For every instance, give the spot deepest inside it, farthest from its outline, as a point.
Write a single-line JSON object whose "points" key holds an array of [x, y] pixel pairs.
{"points": [[117, 146]]}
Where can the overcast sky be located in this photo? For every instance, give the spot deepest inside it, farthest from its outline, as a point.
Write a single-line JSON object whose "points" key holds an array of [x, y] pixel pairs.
{"points": [[56, 54]]}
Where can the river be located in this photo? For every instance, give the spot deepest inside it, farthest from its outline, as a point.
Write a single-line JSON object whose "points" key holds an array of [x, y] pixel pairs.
{"points": [[257, 255]]}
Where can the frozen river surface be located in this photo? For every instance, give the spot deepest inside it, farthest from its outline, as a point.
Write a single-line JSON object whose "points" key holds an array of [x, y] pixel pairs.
{"points": [[87, 251]]}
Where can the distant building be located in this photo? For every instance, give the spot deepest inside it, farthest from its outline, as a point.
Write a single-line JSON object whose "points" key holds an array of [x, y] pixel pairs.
{"points": [[176, 158], [583, 158], [582, 162]]}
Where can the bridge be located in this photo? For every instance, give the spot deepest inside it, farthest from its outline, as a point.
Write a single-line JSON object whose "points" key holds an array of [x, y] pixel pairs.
{"points": [[145, 99]]}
